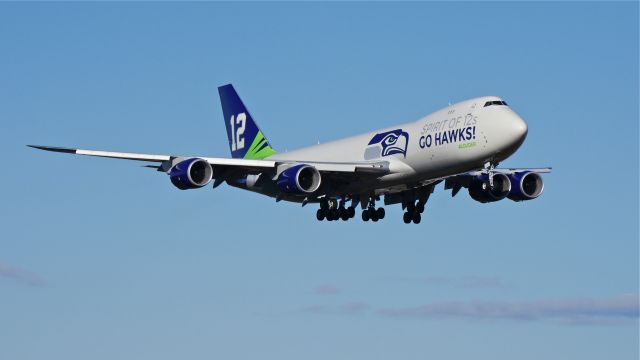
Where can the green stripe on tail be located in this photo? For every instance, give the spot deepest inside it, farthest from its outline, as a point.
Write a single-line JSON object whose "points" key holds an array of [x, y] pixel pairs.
{"points": [[259, 148]]}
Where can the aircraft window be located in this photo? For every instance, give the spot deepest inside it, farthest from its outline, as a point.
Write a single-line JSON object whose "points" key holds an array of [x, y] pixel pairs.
{"points": [[495, 102]]}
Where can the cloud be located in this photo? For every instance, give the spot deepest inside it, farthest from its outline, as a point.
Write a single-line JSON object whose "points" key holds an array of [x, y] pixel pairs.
{"points": [[327, 289], [352, 308], [572, 311], [20, 275], [465, 281]]}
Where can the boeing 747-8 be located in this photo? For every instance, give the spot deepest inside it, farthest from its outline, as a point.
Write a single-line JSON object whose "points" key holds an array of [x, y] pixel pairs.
{"points": [[460, 145]]}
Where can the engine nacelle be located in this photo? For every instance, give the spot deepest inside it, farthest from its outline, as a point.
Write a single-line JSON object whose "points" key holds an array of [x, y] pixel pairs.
{"points": [[191, 174], [480, 190], [525, 186], [299, 179]]}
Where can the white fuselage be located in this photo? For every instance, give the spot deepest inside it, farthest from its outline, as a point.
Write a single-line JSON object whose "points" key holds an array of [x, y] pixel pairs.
{"points": [[456, 139]]}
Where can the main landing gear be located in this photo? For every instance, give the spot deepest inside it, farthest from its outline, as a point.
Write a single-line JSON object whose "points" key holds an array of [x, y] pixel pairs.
{"points": [[331, 210], [335, 209], [371, 213], [414, 212]]}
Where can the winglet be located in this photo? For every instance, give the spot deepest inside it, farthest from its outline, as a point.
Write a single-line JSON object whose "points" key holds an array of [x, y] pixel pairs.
{"points": [[54, 148], [107, 154]]}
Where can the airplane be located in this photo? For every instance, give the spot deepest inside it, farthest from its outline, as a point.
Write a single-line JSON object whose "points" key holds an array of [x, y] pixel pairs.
{"points": [[460, 145]]}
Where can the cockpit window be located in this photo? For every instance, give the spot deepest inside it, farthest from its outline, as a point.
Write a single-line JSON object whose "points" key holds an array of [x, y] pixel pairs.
{"points": [[495, 102]]}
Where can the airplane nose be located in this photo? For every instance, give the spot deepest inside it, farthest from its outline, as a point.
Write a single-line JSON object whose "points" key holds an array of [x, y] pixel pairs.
{"points": [[519, 128]]}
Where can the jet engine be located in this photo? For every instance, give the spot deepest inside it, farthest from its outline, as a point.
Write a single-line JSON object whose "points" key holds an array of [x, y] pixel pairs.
{"points": [[480, 190], [299, 179], [525, 186], [191, 174]]}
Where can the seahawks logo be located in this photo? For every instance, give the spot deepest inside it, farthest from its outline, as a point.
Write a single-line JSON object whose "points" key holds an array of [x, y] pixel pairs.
{"points": [[387, 143]]}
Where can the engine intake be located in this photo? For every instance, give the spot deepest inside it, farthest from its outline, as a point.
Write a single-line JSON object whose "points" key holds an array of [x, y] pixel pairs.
{"points": [[299, 179], [480, 190], [191, 174], [525, 186]]}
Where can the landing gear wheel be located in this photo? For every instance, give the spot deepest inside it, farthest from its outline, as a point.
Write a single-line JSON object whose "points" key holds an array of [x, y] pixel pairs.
{"points": [[334, 214], [372, 214], [344, 214], [380, 213], [352, 212], [320, 214], [416, 218], [406, 218], [365, 215]]}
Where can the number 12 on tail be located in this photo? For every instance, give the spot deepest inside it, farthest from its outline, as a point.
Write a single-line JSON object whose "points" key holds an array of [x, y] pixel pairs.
{"points": [[237, 140]]}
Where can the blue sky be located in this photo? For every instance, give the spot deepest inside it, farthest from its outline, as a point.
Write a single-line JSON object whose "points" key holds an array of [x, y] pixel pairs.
{"points": [[104, 259]]}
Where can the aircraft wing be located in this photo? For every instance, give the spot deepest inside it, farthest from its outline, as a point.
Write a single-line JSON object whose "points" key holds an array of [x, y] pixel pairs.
{"points": [[250, 166], [511, 171], [456, 182]]}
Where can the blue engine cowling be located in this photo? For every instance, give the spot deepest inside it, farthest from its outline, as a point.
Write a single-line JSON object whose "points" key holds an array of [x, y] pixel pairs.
{"points": [[480, 190], [525, 186], [191, 174], [300, 179]]}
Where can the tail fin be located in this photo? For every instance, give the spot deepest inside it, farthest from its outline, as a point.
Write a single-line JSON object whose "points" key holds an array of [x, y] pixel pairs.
{"points": [[246, 140]]}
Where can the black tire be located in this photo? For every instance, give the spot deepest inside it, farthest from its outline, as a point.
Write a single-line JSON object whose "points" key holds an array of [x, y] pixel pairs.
{"points": [[406, 218], [416, 218], [344, 216], [365, 215], [380, 213], [372, 214], [334, 214], [320, 214], [352, 212]]}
